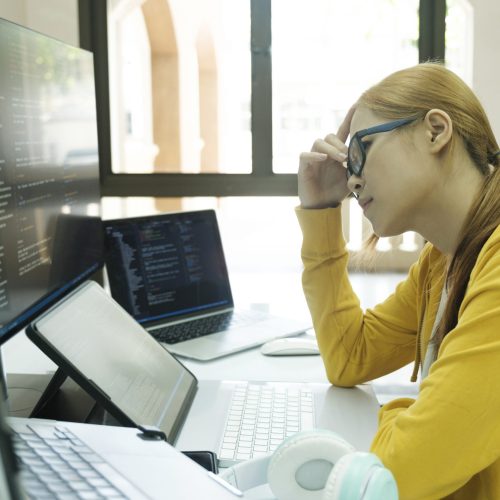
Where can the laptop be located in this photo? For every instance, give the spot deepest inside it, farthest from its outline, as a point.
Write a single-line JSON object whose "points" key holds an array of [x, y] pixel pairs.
{"points": [[169, 272], [51, 459], [95, 342]]}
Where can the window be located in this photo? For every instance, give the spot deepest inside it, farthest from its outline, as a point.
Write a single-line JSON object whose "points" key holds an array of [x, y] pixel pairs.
{"points": [[320, 69], [197, 119], [180, 86], [192, 85]]}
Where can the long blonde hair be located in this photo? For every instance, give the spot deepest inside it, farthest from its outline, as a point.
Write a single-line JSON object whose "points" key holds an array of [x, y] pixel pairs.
{"points": [[413, 92]]}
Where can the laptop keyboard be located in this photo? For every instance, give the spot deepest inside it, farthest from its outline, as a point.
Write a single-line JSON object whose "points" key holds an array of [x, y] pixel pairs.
{"points": [[55, 464], [171, 334], [260, 417]]}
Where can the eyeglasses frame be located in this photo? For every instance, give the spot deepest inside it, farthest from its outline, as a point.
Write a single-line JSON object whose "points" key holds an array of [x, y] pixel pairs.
{"points": [[376, 129]]}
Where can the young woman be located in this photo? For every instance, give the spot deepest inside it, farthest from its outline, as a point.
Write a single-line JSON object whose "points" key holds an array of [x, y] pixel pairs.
{"points": [[422, 157]]}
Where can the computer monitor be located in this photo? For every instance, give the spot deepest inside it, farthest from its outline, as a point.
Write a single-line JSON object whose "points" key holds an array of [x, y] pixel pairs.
{"points": [[50, 226]]}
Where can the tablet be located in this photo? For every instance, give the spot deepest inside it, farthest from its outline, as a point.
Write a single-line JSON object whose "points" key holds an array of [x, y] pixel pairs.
{"points": [[103, 349]]}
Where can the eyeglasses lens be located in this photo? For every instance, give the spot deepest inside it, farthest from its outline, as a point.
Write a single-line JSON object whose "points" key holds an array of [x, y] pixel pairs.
{"points": [[355, 157]]}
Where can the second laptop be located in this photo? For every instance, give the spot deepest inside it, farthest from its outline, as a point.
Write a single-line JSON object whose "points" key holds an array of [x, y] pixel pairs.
{"points": [[169, 272]]}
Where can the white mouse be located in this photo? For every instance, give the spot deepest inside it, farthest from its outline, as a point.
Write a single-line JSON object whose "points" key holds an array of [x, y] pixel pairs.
{"points": [[290, 347]]}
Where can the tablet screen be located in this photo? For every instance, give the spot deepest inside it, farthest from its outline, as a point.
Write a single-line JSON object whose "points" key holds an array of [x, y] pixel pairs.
{"points": [[94, 335]]}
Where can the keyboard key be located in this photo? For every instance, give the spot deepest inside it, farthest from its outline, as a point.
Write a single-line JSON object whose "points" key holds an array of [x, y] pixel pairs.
{"points": [[89, 495], [108, 492], [259, 448], [225, 454], [306, 421]]}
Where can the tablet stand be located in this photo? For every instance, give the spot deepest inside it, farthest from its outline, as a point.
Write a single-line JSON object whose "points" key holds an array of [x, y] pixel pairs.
{"points": [[62, 398]]}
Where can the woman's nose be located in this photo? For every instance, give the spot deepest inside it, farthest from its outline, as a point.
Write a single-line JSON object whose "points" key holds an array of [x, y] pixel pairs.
{"points": [[355, 184]]}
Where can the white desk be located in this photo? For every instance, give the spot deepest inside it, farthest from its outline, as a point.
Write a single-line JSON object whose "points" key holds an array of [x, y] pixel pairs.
{"points": [[283, 291], [252, 365], [353, 411], [21, 356]]}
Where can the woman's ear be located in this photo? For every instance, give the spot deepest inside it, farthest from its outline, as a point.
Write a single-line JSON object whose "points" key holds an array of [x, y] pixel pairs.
{"points": [[438, 130]]}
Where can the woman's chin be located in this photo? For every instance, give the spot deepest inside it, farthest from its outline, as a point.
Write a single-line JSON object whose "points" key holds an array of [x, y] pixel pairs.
{"points": [[385, 231]]}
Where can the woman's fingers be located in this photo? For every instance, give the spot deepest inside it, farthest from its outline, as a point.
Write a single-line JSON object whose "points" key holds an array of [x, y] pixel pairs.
{"points": [[322, 179], [345, 126], [310, 160], [334, 144], [313, 156], [332, 147]]}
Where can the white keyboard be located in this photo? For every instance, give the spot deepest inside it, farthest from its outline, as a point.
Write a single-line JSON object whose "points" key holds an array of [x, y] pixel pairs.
{"points": [[260, 417]]}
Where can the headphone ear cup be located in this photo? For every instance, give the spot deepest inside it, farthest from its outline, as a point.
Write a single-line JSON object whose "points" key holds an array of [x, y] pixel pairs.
{"points": [[382, 485], [360, 476], [300, 466]]}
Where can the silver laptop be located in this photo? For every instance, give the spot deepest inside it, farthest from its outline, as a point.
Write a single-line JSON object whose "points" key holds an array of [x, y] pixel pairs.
{"points": [[50, 459], [169, 272], [94, 341]]}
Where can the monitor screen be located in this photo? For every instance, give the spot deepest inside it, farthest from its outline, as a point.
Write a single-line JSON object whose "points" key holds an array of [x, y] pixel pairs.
{"points": [[50, 228]]}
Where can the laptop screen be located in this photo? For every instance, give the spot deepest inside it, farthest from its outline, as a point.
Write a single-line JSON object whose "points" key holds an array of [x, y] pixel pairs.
{"points": [[168, 265]]}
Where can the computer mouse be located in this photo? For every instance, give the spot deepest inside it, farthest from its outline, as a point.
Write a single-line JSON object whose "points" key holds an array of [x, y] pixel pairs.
{"points": [[290, 346]]}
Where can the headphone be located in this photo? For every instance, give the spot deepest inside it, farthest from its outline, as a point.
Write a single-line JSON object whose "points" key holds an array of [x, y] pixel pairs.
{"points": [[316, 465]]}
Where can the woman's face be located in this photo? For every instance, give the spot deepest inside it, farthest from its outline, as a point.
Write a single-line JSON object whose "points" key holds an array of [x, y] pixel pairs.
{"points": [[397, 180]]}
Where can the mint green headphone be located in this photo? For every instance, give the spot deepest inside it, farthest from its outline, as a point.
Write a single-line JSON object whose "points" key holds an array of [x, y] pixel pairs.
{"points": [[317, 465]]}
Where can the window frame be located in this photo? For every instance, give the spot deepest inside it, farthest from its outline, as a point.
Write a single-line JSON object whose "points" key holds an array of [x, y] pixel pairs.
{"points": [[262, 181]]}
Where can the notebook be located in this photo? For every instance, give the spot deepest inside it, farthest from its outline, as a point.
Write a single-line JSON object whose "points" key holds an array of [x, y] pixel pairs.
{"points": [[93, 339], [169, 272], [51, 459]]}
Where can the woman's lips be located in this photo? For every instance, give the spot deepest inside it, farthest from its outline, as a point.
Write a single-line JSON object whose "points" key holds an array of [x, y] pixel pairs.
{"points": [[364, 203]]}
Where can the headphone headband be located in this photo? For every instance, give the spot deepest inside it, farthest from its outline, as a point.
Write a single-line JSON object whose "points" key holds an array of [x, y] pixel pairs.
{"points": [[249, 474]]}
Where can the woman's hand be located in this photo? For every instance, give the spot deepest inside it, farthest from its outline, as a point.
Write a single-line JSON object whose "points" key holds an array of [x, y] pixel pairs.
{"points": [[322, 177]]}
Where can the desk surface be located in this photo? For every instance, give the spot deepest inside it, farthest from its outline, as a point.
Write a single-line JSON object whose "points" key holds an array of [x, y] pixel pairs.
{"points": [[21, 356], [355, 411], [252, 365]]}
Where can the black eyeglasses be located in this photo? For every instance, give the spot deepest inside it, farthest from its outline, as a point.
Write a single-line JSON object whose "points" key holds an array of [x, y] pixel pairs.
{"points": [[356, 154]]}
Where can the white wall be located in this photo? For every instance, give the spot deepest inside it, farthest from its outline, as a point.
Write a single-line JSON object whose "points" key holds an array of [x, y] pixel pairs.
{"points": [[57, 18], [486, 64]]}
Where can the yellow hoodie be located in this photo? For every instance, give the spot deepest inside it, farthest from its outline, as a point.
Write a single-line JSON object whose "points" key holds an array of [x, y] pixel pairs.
{"points": [[446, 443]]}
